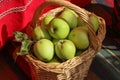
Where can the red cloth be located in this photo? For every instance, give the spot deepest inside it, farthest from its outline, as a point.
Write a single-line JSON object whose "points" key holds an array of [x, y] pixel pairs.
{"points": [[15, 19], [16, 14], [81, 3]]}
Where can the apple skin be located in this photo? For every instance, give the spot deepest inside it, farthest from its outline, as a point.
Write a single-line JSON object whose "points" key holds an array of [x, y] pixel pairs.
{"points": [[40, 33], [44, 50], [95, 21], [79, 52], [55, 41], [65, 49], [54, 61], [58, 28], [79, 36], [72, 12], [69, 17], [81, 22], [47, 20]]}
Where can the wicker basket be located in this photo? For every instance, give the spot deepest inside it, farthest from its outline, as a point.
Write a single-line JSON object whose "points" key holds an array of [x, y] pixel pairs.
{"points": [[72, 69]]}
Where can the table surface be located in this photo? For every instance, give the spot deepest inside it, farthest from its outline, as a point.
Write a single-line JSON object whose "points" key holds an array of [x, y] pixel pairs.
{"points": [[9, 70]]}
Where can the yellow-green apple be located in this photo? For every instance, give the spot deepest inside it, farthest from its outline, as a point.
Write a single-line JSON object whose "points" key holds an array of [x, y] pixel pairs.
{"points": [[79, 36], [81, 22], [47, 20], [58, 28], [44, 50], [69, 17], [72, 12], [55, 40], [54, 61], [95, 21], [40, 33], [65, 49]]}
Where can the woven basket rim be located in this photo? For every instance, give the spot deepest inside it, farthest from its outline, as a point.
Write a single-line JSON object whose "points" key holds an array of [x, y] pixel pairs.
{"points": [[59, 68], [68, 69]]}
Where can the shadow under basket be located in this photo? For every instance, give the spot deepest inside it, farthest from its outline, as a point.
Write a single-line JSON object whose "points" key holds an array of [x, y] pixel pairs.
{"points": [[73, 69]]}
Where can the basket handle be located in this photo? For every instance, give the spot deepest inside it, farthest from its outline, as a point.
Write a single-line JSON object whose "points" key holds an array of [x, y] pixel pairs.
{"points": [[81, 12], [47, 3]]}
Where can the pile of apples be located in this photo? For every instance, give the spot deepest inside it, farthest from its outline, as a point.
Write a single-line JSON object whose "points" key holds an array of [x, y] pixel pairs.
{"points": [[62, 37]]}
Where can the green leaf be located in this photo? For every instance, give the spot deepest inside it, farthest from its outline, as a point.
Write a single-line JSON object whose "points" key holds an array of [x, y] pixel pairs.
{"points": [[25, 47], [25, 42], [19, 36]]}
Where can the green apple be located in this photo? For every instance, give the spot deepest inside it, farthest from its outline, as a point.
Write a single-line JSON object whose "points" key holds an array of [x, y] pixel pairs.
{"points": [[79, 52], [47, 20], [95, 21], [81, 22], [65, 49], [69, 17], [58, 28], [44, 50], [40, 33], [72, 12], [79, 36], [55, 41], [54, 61]]}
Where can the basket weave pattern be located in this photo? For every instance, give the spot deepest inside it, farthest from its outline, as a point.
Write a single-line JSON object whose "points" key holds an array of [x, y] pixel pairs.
{"points": [[72, 69]]}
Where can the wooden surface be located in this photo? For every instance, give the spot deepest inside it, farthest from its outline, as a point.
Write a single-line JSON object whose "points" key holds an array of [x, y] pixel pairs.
{"points": [[9, 70]]}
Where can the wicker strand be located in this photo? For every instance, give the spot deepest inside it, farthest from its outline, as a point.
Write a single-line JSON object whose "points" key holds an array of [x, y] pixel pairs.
{"points": [[81, 12], [68, 69]]}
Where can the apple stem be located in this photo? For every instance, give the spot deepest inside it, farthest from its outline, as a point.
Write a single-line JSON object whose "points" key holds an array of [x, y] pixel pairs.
{"points": [[62, 41], [53, 30]]}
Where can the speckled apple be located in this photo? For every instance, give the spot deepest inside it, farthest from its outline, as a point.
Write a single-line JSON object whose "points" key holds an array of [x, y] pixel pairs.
{"points": [[44, 50]]}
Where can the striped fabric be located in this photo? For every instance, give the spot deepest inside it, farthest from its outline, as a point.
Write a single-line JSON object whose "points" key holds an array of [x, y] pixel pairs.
{"points": [[107, 62]]}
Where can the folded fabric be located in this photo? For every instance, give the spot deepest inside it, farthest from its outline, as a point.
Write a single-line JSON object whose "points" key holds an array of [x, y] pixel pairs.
{"points": [[107, 62], [16, 14]]}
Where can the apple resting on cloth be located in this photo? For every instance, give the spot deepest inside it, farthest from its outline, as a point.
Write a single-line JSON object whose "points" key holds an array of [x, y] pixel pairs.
{"points": [[79, 36], [65, 49], [44, 50], [58, 28]]}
